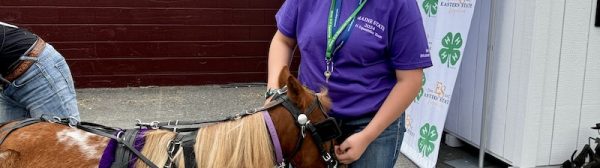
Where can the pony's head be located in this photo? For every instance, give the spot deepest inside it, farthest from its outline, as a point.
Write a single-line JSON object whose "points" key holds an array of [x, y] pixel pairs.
{"points": [[306, 132]]}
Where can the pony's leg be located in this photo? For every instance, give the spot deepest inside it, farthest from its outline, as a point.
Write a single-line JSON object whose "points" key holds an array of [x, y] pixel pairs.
{"points": [[9, 158]]}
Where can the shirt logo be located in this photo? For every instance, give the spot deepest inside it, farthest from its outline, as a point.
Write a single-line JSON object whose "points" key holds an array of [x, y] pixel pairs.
{"points": [[370, 26], [426, 54]]}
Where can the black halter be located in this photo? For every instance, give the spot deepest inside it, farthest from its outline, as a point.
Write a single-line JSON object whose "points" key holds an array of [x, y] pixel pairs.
{"points": [[323, 131]]}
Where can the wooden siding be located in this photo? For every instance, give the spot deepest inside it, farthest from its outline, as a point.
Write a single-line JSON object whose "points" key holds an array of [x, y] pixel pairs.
{"points": [[466, 106], [115, 43], [545, 90]]}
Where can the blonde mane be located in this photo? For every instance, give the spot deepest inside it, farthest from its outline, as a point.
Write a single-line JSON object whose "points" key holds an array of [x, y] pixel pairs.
{"points": [[155, 148], [239, 143]]}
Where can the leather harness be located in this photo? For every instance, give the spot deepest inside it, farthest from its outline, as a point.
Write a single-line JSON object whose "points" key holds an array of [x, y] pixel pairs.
{"points": [[186, 137], [85, 126]]}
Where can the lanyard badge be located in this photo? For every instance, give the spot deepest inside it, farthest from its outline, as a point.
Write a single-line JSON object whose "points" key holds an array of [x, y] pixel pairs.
{"points": [[334, 15]]}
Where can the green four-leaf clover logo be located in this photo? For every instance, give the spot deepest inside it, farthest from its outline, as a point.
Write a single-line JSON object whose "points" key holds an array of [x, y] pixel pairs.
{"points": [[450, 52], [430, 7], [421, 90], [429, 135]]}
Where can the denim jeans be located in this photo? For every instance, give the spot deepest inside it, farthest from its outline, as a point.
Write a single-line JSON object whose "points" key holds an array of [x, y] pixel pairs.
{"points": [[383, 151], [46, 89]]}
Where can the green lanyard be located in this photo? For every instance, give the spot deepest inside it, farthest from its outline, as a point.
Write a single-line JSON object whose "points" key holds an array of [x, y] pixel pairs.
{"points": [[331, 38]]}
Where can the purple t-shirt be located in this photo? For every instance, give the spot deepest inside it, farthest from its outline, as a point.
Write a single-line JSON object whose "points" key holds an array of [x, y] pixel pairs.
{"points": [[388, 35]]}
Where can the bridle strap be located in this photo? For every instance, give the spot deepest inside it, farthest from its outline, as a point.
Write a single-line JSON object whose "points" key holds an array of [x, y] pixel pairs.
{"points": [[295, 113], [326, 156], [274, 137]]}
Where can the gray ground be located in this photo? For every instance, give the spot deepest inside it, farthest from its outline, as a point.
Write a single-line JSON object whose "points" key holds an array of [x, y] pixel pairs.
{"points": [[122, 106]]}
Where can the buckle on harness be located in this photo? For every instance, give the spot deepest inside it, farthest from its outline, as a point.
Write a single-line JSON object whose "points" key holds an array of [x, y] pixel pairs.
{"points": [[153, 124], [175, 126], [119, 134], [281, 165], [172, 146], [73, 122]]}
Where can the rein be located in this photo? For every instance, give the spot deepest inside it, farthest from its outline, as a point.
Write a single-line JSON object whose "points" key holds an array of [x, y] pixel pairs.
{"points": [[172, 125]]}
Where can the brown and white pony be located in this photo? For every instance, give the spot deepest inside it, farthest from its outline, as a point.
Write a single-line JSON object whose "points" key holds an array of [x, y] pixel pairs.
{"points": [[239, 143]]}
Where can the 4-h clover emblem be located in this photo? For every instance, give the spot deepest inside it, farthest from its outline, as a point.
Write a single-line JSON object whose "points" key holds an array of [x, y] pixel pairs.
{"points": [[421, 90], [430, 7], [429, 135], [450, 52]]}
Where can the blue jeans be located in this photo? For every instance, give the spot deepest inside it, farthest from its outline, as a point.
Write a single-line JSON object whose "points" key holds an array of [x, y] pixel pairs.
{"points": [[46, 89], [383, 151]]}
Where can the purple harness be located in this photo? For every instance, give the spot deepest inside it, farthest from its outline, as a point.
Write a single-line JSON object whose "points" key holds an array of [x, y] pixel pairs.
{"points": [[108, 157], [274, 137]]}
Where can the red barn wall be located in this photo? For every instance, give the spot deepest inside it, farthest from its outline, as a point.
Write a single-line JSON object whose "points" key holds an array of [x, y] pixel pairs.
{"points": [[121, 43]]}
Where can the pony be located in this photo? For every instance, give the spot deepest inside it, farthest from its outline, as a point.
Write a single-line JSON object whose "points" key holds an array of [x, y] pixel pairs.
{"points": [[240, 142]]}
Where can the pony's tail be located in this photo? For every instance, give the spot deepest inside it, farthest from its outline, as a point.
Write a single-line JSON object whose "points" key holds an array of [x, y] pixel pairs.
{"points": [[9, 158]]}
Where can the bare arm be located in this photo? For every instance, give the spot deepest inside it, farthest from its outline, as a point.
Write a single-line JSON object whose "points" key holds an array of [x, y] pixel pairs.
{"points": [[279, 56], [403, 93]]}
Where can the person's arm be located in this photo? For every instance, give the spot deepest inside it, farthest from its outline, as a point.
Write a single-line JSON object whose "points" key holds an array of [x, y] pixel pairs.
{"points": [[279, 56], [403, 93]]}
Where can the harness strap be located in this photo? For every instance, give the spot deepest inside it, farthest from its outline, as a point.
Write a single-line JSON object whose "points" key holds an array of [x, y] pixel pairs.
{"points": [[120, 141], [185, 141], [124, 156], [292, 108], [327, 157], [177, 129], [5, 123], [169, 126], [172, 149], [274, 138], [20, 124], [188, 150], [296, 149], [88, 127]]}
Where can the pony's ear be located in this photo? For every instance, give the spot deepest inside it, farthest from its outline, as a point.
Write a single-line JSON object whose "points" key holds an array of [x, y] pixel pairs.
{"points": [[283, 76], [297, 93]]}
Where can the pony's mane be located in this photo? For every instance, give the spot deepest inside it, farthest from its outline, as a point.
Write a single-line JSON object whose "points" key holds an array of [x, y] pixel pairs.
{"points": [[155, 148], [239, 143]]}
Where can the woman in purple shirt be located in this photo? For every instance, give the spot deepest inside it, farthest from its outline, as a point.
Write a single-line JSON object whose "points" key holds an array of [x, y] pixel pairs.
{"points": [[369, 54]]}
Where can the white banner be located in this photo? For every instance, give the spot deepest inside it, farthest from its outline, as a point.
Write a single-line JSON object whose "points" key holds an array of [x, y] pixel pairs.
{"points": [[447, 24]]}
